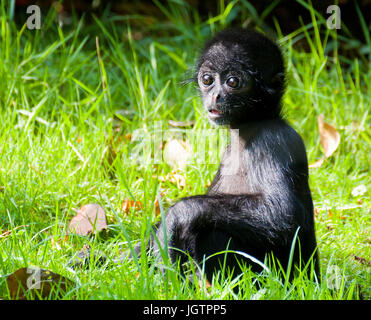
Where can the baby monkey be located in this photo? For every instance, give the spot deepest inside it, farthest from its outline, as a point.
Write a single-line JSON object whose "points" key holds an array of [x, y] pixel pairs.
{"points": [[260, 197]]}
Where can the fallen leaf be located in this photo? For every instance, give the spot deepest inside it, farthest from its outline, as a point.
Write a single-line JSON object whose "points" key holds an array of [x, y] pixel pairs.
{"points": [[128, 137], [363, 260], [178, 179], [175, 178], [329, 137], [9, 232], [316, 212], [55, 244], [330, 214], [157, 208], [5, 233], [128, 204], [329, 226], [176, 153], [317, 164], [35, 283], [330, 140], [207, 283], [359, 191], [90, 218]]}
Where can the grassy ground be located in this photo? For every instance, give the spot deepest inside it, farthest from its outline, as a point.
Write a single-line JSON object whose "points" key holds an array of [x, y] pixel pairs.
{"points": [[70, 99]]}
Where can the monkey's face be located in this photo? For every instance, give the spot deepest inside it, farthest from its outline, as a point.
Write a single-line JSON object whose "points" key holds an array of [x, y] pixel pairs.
{"points": [[241, 78], [226, 87]]}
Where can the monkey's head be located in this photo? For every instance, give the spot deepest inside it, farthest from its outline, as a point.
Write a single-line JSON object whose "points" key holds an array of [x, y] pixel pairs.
{"points": [[241, 77]]}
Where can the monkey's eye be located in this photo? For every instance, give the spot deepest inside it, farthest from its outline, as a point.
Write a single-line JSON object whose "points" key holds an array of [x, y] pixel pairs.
{"points": [[233, 82], [207, 79]]}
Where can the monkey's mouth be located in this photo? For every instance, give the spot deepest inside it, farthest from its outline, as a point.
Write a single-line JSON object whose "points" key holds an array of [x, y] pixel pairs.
{"points": [[215, 113]]}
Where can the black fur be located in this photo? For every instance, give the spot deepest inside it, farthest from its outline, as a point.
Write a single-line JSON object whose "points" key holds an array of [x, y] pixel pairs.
{"points": [[260, 194]]}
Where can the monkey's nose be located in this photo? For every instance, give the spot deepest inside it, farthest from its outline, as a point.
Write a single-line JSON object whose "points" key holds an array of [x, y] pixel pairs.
{"points": [[217, 98]]}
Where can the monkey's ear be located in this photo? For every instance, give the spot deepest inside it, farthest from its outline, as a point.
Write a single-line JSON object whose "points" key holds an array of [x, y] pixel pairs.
{"points": [[276, 85], [278, 79]]}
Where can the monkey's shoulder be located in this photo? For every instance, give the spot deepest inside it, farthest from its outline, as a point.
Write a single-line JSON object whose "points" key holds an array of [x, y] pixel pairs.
{"points": [[273, 145], [279, 138], [267, 134]]}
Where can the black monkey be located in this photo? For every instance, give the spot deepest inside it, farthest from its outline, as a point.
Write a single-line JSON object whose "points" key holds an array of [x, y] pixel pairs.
{"points": [[260, 195]]}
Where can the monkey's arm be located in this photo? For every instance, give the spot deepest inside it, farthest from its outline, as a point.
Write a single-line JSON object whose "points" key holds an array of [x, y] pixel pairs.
{"points": [[250, 218]]}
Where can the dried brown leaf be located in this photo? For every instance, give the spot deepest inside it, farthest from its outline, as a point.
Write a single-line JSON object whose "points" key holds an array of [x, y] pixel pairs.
{"points": [[176, 153], [128, 204], [175, 178], [316, 212], [363, 260], [330, 214], [329, 137], [7, 233], [317, 163], [90, 218], [128, 137], [157, 208], [36, 283]]}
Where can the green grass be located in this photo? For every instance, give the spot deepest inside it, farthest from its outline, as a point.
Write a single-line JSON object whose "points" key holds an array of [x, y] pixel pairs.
{"points": [[67, 97]]}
